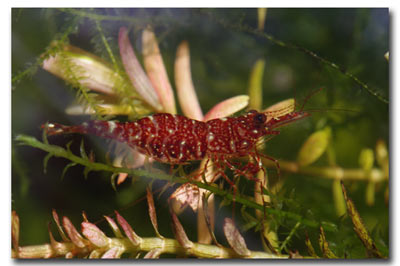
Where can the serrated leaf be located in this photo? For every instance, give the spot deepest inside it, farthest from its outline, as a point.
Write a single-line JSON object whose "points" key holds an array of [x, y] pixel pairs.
{"points": [[45, 161], [152, 211], [326, 252], [66, 169], [113, 226], [235, 239], [132, 236], [314, 147], [360, 228], [72, 233], [310, 247], [94, 234]]}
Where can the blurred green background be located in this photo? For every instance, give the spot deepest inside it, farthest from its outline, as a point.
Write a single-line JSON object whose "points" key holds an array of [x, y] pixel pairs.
{"points": [[223, 52]]}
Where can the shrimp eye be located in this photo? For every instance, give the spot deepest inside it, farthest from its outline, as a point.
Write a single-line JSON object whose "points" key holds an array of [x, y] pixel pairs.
{"points": [[260, 118]]}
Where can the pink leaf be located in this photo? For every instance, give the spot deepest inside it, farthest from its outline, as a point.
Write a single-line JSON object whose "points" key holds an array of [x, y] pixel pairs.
{"points": [[186, 194], [152, 210], [133, 237], [184, 84], [153, 254], [135, 71], [179, 232], [113, 226], [235, 239], [227, 107], [73, 234], [113, 253], [94, 234], [156, 72]]}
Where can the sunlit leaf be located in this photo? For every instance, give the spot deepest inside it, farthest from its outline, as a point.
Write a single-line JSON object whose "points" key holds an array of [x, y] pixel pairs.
{"points": [[156, 71], [280, 109], [227, 107], [262, 15], [92, 71], [135, 72], [184, 85]]}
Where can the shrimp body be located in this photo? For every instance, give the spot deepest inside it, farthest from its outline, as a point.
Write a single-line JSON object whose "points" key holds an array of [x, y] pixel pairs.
{"points": [[176, 139]]}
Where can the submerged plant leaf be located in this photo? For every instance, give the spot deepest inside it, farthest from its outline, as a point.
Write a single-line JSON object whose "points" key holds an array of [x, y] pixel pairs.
{"points": [[113, 226], [227, 107], [235, 239], [186, 195], [156, 71], [59, 227], [152, 211], [261, 15], [135, 71], [314, 147], [360, 228], [366, 159], [113, 253], [92, 71], [310, 247], [15, 230], [153, 254], [94, 234], [73, 234], [255, 85], [326, 252], [184, 85], [133, 237], [180, 233], [280, 109]]}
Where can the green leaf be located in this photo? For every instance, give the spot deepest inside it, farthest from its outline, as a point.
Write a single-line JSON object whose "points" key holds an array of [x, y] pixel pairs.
{"points": [[66, 169], [255, 85], [360, 228], [314, 147], [45, 161]]}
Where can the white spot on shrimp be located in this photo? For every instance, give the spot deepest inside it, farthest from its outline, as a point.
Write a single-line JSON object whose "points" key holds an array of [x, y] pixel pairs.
{"points": [[180, 155], [111, 126], [245, 143], [210, 137], [151, 118], [223, 119], [170, 131], [255, 131], [183, 142], [233, 147]]}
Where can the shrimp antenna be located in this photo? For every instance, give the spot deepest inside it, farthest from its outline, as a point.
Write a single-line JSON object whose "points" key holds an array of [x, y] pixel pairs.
{"points": [[308, 97]]}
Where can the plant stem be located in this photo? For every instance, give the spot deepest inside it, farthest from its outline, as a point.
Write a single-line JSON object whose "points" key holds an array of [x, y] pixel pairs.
{"points": [[166, 246]]}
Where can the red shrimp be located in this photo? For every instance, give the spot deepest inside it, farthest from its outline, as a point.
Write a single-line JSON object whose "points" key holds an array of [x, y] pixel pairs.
{"points": [[175, 139]]}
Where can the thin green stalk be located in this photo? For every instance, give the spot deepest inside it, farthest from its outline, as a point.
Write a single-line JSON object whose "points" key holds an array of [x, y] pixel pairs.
{"points": [[95, 166]]}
